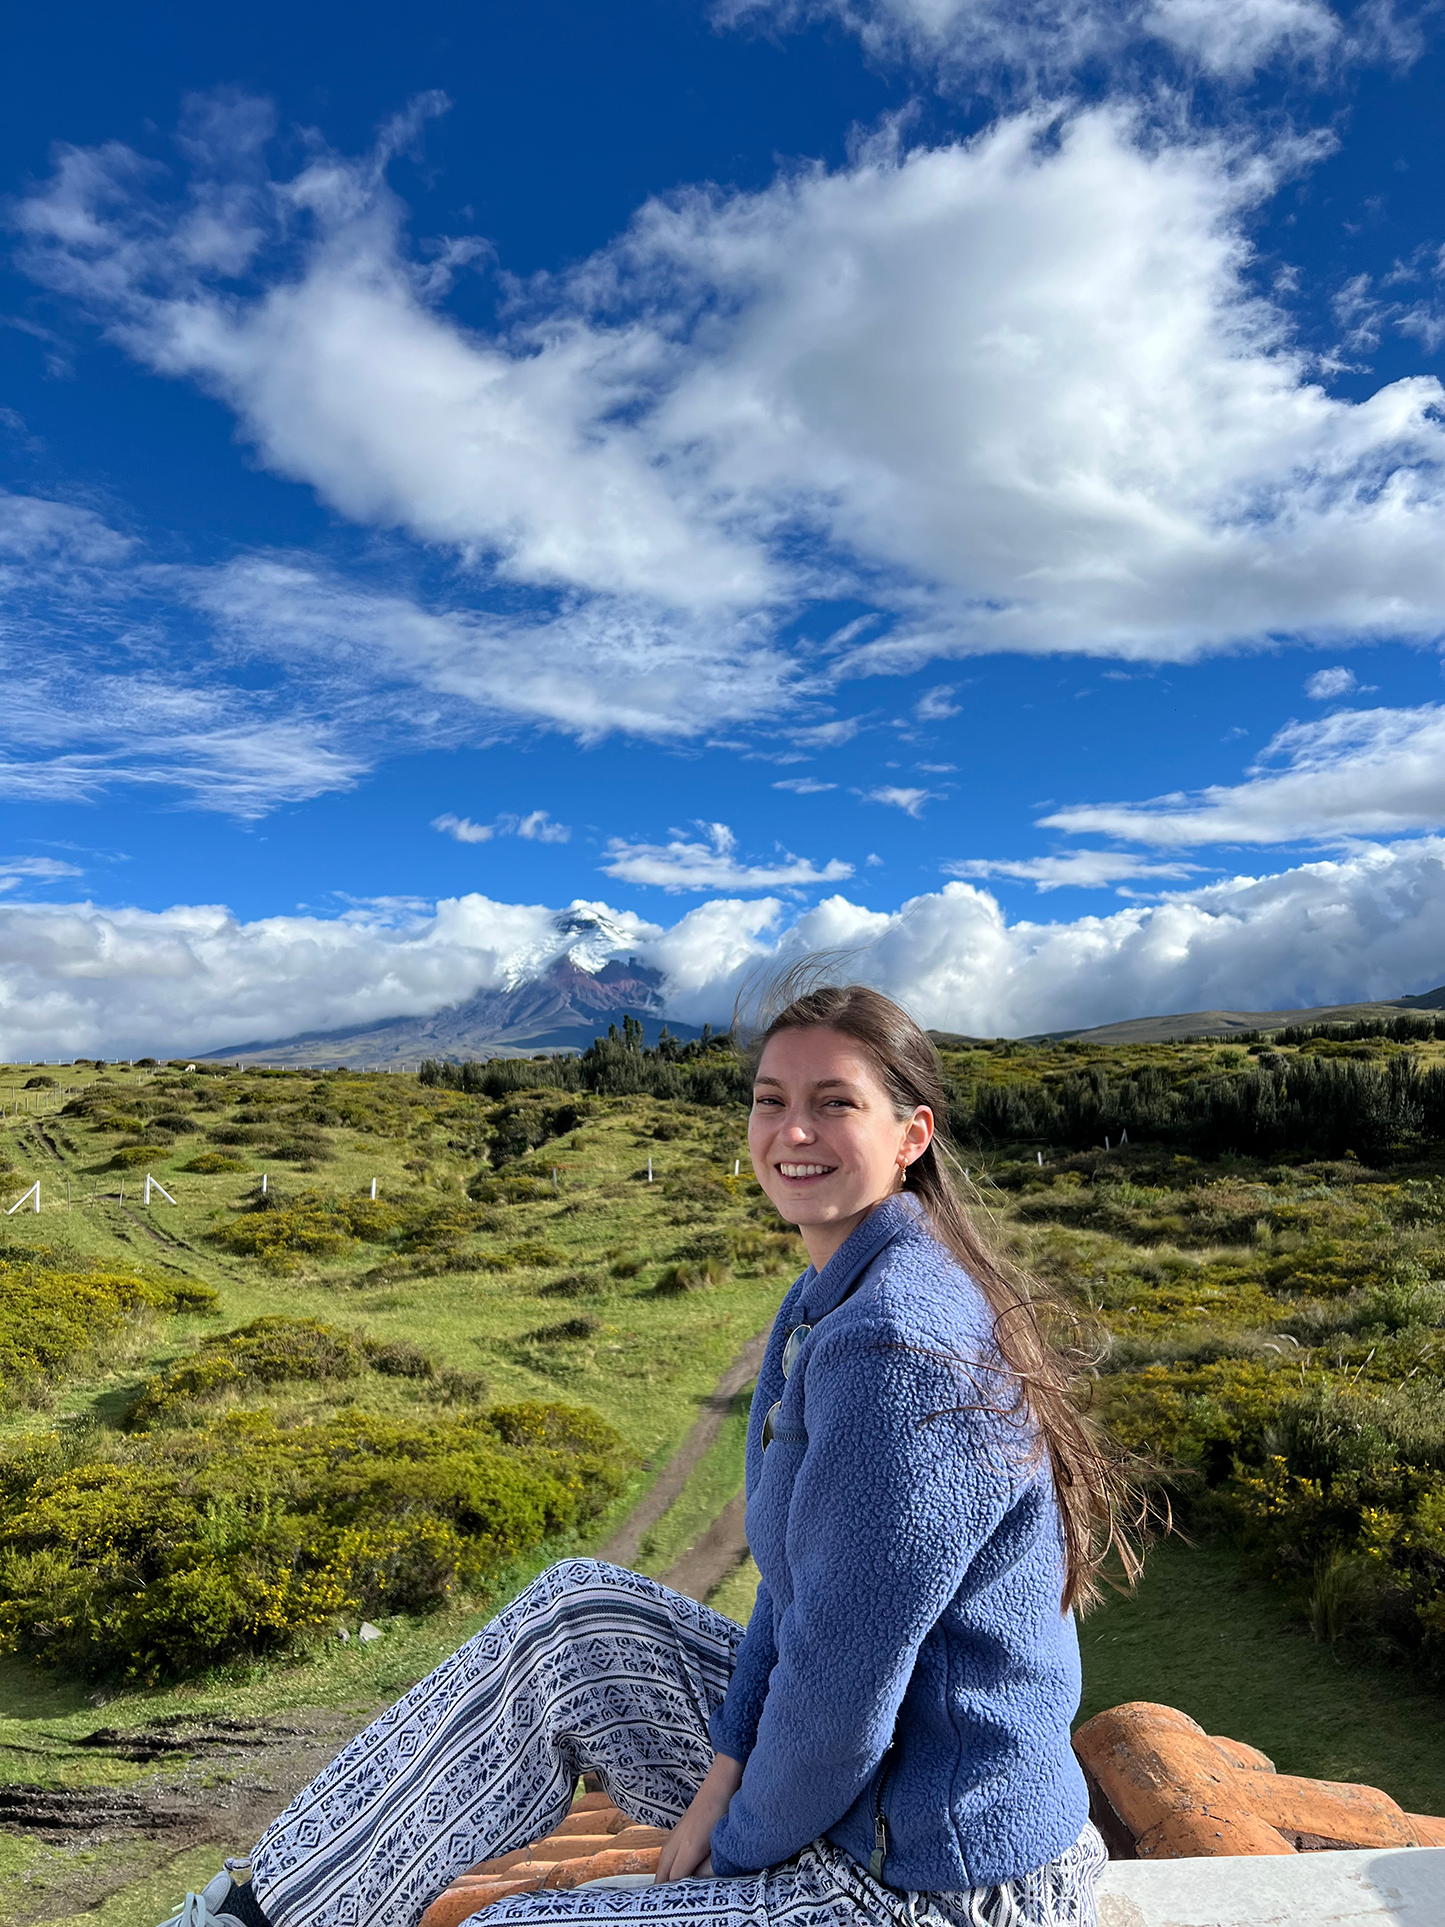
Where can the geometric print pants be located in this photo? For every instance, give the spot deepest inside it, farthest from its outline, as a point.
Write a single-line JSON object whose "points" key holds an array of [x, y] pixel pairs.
{"points": [[593, 1669]]}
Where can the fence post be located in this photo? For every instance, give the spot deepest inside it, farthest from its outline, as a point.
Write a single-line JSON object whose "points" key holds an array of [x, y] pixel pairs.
{"points": [[373, 1190], [33, 1192], [159, 1187], [264, 1176], [649, 1170]]}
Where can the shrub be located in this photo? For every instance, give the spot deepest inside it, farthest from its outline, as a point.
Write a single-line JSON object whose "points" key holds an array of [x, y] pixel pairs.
{"points": [[578, 1284], [569, 1328], [52, 1314], [214, 1163], [40, 1083], [176, 1122], [265, 1352], [487, 1189], [187, 1549], [132, 1157], [693, 1274]]}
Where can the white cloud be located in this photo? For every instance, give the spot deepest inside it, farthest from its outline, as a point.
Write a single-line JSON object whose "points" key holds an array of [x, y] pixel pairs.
{"points": [[713, 865], [463, 829], [592, 667], [1018, 393], [536, 827], [1325, 684], [15, 870], [910, 801], [1080, 870], [1044, 41], [804, 785], [83, 979], [934, 705], [1360, 772]]}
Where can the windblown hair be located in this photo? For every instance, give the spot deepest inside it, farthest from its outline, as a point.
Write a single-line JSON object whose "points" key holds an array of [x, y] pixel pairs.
{"points": [[1101, 1508]]}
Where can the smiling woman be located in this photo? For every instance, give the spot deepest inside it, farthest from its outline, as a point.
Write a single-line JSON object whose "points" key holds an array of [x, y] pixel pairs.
{"points": [[887, 1745]]}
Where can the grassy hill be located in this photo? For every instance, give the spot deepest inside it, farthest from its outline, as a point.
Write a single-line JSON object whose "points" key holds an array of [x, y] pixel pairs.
{"points": [[233, 1427]]}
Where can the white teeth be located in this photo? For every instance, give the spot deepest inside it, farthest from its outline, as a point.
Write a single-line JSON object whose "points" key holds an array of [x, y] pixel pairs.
{"points": [[805, 1170]]}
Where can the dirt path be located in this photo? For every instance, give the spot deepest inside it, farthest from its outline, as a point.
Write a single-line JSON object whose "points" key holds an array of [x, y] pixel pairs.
{"points": [[622, 1547], [719, 1552]]}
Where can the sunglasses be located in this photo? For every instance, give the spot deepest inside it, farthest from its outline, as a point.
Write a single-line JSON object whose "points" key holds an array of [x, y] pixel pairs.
{"points": [[790, 1358]]}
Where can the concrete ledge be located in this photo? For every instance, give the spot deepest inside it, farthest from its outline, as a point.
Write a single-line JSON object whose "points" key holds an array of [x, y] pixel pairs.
{"points": [[1370, 1887]]}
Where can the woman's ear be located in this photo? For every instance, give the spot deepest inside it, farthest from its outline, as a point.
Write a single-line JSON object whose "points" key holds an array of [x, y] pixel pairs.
{"points": [[917, 1133]]}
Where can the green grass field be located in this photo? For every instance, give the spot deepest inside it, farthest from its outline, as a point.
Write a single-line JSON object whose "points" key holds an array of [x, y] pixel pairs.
{"points": [[1230, 1301]]}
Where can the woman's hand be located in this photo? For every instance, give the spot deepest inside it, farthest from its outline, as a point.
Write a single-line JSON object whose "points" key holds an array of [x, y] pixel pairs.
{"points": [[687, 1850]]}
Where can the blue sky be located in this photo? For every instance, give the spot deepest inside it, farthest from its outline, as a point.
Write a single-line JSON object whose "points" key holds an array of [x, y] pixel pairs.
{"points": [[957, 477]]}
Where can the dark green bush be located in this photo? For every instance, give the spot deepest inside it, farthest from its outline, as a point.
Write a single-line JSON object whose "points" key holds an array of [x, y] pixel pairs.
{"points": [[214, 1163]]}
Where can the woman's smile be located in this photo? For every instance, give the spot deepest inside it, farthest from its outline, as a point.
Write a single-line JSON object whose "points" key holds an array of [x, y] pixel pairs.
{"points": [[798, 1172]]}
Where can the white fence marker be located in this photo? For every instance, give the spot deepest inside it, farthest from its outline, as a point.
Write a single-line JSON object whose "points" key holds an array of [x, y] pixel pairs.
{"points": [[1041, 1160], [33, 1192], [737, 1166], [155, 1184], [373, 1190], [264, 1176], [649, 1170]]}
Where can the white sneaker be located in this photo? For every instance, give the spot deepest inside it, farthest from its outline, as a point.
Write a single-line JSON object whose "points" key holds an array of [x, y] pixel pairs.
{"points": [[207, 1908]]}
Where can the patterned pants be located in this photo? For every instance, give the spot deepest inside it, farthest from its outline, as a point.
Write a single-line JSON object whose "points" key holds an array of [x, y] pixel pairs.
{"points": [[591, 1669]]}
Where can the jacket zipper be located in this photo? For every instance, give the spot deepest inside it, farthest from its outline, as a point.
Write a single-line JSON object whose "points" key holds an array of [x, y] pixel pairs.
{"points": [[880, 1819]]}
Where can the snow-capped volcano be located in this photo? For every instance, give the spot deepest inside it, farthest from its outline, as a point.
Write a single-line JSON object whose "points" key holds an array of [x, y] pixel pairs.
{"points": [[558, 991]]}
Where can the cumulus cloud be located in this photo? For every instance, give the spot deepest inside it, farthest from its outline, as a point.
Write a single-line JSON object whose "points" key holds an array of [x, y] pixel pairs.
{"points": [[1325, 684], [83, 979], [714, 865], [1079, 870], [1360, 772], [1013, 393], [535, 827]]}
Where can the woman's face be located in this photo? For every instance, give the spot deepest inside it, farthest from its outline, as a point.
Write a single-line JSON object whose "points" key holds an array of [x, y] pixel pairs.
{"points": [[824, 1141]]}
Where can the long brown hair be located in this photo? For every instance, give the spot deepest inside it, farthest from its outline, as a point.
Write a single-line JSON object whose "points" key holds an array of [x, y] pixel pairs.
{"points": [[1100, 1507]]}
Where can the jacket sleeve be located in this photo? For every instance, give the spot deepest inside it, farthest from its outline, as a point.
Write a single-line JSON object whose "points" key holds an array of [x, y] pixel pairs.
{"points": [[896, 1492], [733, 1726]]}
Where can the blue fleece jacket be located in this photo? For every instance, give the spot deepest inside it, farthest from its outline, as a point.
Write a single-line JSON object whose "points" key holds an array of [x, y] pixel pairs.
{"points": [[911, 1567]]}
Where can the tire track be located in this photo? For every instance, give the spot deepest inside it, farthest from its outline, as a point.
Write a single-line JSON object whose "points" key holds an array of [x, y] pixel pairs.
{"points": [[623, 1547]]}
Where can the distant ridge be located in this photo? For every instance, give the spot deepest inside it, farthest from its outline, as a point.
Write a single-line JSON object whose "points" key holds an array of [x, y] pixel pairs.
{"points": [[1229, 1023]]}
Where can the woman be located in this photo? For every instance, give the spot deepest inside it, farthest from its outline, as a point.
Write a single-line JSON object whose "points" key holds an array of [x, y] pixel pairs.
{"points": [[889, 1741]]}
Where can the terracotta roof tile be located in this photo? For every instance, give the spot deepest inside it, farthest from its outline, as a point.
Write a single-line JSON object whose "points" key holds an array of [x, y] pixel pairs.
{"points": [[1161, 1788]]}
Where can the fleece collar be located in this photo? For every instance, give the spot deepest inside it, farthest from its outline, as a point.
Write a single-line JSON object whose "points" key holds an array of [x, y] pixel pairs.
{"points": [[822, 1291]]}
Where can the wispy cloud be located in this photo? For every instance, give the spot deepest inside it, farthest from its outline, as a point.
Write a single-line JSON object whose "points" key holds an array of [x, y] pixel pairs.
{"points": [[1357, 773], [15, 870], [804, 785], [936, 705], [983, 45], [713, 865], [1079, 870], [910, 801], [536, 827]]}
